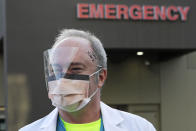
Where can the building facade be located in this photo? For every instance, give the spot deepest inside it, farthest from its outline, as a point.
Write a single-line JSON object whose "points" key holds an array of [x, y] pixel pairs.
{"points": [[159, 85]]}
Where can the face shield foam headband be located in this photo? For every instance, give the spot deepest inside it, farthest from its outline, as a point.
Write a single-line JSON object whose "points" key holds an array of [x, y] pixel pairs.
{"points": [[69, 92]]}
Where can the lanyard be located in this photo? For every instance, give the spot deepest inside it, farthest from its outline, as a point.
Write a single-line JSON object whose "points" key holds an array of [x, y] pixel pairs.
{"points": [[60, 125]]}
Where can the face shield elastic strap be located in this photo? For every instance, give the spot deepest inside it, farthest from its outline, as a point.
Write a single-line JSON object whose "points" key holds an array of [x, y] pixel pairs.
{"points": [[69, 76], [72, 76]]}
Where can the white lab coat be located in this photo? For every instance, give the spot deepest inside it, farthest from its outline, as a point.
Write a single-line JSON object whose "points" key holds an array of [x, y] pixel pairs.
{"points": [[113, 120]]}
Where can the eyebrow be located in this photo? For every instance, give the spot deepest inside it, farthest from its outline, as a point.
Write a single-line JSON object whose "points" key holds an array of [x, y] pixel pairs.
{"points": [[71, 64], [77, 63]]}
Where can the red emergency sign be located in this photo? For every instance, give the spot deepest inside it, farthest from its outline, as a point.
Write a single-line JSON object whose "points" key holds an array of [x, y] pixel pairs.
{"points": [[133, 12]]}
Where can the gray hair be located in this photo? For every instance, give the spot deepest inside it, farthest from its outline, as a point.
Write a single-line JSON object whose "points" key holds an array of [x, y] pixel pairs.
{"points": [[96, 44]]}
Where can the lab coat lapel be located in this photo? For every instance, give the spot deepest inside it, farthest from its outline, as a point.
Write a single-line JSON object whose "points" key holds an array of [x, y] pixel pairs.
{"points": [[49, 123], [111, 119]]}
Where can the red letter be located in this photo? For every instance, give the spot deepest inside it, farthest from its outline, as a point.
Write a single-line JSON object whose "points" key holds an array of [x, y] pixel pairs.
{"points": [[96, 12], [82, 11], [135, 12], [159, 13], [122, 10], [148, 13], [110, 12], [171, 13], [183, 12]]}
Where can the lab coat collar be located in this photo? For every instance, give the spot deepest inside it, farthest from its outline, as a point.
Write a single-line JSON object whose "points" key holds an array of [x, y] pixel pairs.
{"points": [[49, 123], [111, 119]]}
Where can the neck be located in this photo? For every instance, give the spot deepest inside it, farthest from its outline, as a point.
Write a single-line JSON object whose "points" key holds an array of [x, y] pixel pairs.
{"points": [[88, 114]]}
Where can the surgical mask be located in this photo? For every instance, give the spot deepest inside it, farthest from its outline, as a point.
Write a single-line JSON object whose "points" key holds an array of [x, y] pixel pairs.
{"points": [[71, 95]]}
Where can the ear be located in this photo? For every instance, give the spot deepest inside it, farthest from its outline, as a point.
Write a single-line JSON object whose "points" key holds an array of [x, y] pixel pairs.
{"points": [[49, 96], [102, 77]]}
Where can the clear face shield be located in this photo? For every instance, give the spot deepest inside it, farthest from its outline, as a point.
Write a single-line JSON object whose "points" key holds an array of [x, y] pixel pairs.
{"points": [[68, 78]]}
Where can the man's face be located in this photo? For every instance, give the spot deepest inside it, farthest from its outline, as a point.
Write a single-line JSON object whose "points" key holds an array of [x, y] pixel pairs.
{"points": [[83, 61]]}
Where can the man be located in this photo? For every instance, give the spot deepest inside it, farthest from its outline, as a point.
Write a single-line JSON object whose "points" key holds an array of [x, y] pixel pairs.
{"points": [[75, 71]]}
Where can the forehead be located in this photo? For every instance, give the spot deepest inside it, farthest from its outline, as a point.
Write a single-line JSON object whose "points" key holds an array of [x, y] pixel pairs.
{"points": [[80, 56], [82, 43]]}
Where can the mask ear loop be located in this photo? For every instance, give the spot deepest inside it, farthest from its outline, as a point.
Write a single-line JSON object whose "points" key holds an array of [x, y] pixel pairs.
{"points": [[93, 93], [95, 72], [97, 88]]}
